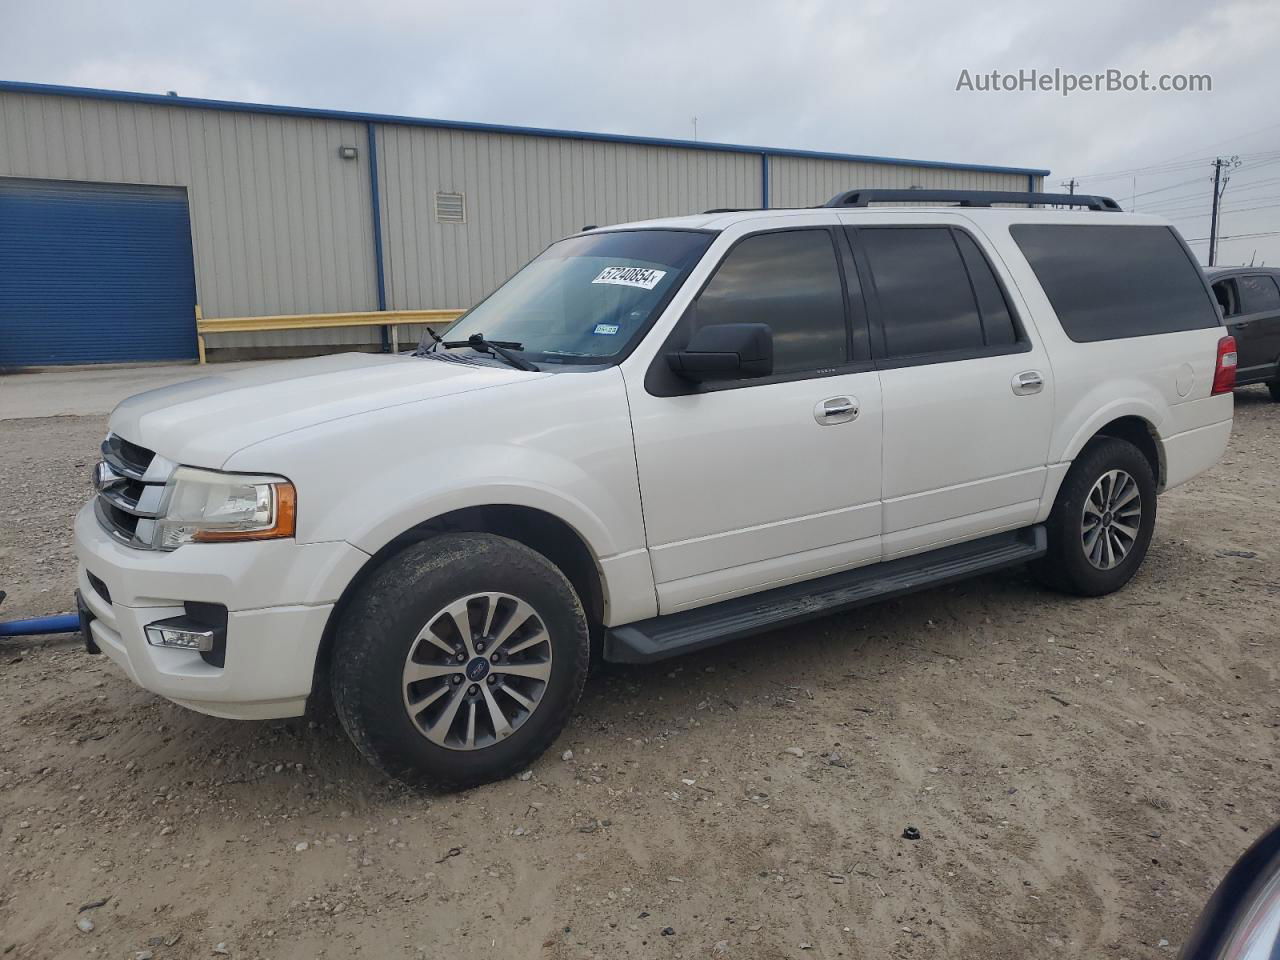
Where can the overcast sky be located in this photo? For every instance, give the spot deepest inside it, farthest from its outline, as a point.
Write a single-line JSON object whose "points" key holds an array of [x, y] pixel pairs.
{"points": [[876, 78]]}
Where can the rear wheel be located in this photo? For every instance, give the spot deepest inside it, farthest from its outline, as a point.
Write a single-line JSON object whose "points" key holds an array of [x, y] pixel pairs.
{"points": [[459, 661], [1102, 520]]}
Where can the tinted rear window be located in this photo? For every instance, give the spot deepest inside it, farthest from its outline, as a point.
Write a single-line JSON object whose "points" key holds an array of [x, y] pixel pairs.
{"points": [[1108, 282]]}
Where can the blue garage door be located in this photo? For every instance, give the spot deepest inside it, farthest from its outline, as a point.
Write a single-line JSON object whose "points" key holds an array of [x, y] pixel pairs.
{"points": [[94, 273]]}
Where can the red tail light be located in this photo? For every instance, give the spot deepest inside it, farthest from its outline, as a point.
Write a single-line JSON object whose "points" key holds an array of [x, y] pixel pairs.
{"points": [[1224, 371]]}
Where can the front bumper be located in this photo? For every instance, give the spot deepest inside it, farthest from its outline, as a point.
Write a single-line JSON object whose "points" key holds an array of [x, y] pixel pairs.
{"points": [[278, 595]]}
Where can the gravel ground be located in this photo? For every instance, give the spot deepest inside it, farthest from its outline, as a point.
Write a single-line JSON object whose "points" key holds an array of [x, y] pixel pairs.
{"points": [[1082, 772]]}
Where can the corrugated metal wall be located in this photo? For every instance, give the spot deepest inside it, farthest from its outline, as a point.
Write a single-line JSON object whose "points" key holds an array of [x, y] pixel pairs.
{"points": [[279, 222], [522, 193], [804, 182]]}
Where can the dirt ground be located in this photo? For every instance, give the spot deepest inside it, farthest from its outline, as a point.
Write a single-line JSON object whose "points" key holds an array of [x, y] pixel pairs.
{"points": [[1082, 772]]}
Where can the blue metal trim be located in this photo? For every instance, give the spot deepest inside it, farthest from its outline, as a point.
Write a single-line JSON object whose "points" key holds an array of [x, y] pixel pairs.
{"points": [[37, 626], [55, 90], [764, 180], [376, 203], [1031, 183]]}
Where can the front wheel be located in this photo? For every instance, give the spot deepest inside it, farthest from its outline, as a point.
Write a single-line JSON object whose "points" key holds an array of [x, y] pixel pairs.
{"points": [[459, 661], [1102, 520]]}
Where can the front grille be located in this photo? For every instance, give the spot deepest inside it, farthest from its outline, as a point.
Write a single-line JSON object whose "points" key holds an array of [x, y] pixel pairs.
{"points": [[135, 457], [130, 482]]}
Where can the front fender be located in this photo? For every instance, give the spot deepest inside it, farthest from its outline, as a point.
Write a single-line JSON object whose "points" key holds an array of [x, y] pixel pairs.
{"points": [[492, 474], [561, 444]]}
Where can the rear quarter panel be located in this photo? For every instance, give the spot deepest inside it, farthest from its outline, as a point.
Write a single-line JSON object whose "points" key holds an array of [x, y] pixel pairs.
{"points": [[1166, 379]]}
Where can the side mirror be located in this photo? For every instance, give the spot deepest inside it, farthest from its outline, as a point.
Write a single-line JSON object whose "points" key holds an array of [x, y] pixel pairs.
{"points": [[725, 351]]}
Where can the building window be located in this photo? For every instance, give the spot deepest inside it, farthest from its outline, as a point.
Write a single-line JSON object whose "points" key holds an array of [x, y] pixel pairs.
{"points": [[451, 207]]}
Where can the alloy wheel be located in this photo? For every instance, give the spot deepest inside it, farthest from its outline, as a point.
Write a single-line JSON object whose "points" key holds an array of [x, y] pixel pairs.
{"points": [[1111, 519], [477, 671]]}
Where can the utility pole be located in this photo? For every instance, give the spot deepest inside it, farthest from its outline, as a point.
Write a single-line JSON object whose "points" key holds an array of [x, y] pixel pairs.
{"points": [[695, 129], [1071, 185], [1219, 185]]}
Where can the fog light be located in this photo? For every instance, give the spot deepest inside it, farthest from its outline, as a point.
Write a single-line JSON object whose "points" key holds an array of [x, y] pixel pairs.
{"points": [[183, 633]]}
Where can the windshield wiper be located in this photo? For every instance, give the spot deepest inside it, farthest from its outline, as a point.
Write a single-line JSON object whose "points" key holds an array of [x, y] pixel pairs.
{"points": [[497, 348]]}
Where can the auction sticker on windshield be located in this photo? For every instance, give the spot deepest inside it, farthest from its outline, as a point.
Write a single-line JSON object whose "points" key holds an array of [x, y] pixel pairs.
{"points": [[643, 277]]}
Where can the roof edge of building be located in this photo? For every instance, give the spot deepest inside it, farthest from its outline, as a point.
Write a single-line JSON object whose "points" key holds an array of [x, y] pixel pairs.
{"points": [[157, 99]]}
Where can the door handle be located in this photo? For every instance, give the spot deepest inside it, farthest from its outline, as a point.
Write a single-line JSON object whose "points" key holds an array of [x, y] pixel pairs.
{"points": [[836, 410], [1028, 382]]}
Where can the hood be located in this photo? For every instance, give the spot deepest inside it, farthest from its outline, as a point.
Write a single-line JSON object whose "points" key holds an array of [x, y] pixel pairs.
{"points": [[202, 422]]}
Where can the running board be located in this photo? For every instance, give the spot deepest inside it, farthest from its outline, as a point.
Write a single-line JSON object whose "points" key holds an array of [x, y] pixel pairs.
{"points": [[679, 633]]}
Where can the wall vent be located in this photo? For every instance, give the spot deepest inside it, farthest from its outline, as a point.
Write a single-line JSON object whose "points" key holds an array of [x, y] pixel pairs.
{"points": [[451, 207]]}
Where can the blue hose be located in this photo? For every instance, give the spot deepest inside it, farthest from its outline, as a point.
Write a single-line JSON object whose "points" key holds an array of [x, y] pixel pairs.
{"points": [[63, 623]]}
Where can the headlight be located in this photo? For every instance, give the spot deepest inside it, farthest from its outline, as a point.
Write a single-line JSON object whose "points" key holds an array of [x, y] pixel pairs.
{"points": [[204, 506]]}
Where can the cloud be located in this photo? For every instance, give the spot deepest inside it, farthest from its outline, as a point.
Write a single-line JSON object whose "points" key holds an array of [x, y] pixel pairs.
{"points": [[875, 77]]}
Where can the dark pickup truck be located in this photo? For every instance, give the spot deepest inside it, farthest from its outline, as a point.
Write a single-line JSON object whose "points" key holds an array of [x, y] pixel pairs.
{"points": [[1250, 301]]}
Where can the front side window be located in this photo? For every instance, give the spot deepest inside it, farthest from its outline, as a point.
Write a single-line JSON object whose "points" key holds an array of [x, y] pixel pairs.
{"points": [[1224, 291], [1258, 294], [1109, 282], [587, 299], [790, 281]]}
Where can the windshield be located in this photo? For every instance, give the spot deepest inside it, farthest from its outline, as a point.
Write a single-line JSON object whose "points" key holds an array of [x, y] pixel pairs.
{"points": [[586, 299]]}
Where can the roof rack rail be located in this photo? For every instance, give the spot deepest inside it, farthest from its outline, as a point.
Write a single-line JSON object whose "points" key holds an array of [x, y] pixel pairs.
{"points": [[970, 198], [732, 210]]}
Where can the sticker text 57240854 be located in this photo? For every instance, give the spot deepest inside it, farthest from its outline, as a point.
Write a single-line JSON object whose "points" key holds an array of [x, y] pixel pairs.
{"points": [[643, 277]]}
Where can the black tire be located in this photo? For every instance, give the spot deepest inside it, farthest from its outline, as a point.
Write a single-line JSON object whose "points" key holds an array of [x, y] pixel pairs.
{"points": [[1274, 387], [1066, 566], [380, 627]]}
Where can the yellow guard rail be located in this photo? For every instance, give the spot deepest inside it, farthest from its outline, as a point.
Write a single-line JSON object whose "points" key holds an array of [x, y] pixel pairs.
{"points": [[316, 321]]}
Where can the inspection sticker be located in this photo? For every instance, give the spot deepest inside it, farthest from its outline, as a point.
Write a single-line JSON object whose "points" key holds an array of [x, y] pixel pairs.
{"points": [[642, 277], [606, 329]]}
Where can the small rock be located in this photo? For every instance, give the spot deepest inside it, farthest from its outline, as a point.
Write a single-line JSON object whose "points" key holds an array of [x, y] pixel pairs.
{"points": [[567, 755], [794, 751], [85, 924], [526, 775], [221, 950], [807, 946], [299, 847], [668, 931], [143, 955], [165, 831], [911, 833]]}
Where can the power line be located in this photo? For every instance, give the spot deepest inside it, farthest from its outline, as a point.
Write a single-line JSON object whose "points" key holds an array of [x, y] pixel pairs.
{"points": [[1189, 202], [1196, 216], [1165, 203], [1177, 159], [1238, 236], [1232, 139], [1170, 187]]}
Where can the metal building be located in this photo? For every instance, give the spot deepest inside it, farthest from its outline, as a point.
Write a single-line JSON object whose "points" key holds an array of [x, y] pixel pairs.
{"points": [[124, 216]]}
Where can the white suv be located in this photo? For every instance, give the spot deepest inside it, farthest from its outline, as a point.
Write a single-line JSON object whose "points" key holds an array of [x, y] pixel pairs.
{"points": [[654, 438]]}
